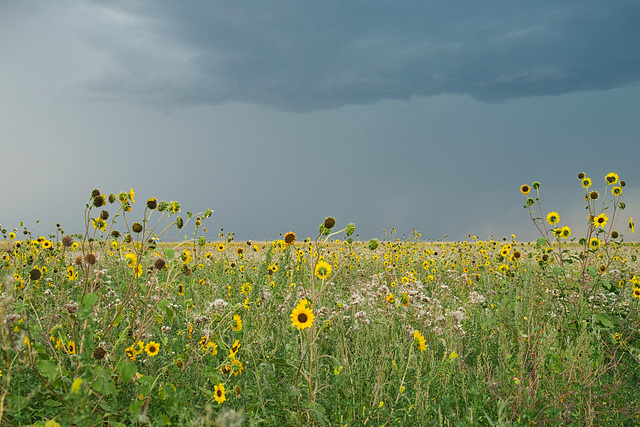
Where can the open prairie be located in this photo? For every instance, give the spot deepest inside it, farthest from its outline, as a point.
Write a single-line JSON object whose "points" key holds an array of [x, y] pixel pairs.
{"points": [[111, 327]]}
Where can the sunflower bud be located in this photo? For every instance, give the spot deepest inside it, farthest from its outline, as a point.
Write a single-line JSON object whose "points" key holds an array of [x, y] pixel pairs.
{"points": [[186, 270], [351, 227]]}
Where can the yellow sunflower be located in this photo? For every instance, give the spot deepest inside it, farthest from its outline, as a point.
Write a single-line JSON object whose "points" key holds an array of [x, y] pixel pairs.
{"points": [[238, 326], [302, 316], [218, 393], [289, 238], [525, 189], [600, 220], [138, 347], [152, 348], [419, 341], [323, 269], [234, 349], [553, 218], [611, 178]]}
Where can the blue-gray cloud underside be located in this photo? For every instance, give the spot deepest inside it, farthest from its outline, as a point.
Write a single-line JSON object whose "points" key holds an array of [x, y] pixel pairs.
{"points": [[311, 55]]}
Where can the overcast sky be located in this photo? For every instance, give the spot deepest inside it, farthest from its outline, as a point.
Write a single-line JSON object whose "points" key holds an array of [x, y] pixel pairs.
{"points": [[275, 114]]}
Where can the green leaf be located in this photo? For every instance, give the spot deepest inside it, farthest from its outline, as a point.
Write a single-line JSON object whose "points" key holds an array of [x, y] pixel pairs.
{"points": [[118, 319], [170, 253], [541, 241], [48, 369], [127, 370], [105, 386], [606, 284], [169, 314], [593, 272], [89, 301], [603, 319], [281, 362]]}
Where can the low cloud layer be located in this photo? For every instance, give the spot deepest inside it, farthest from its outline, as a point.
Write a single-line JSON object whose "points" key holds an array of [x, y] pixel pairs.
{"points": [[305, 55]]}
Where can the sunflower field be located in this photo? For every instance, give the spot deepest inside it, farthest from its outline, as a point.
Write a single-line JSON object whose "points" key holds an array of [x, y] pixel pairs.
{"points": [[114, 327]]}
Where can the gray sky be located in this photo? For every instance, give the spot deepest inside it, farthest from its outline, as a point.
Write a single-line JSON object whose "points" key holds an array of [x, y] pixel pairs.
{"points": [[275, 114]]}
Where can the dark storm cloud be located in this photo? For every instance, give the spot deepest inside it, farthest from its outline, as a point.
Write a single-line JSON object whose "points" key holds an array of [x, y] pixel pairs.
{"points": [[310, 55]]}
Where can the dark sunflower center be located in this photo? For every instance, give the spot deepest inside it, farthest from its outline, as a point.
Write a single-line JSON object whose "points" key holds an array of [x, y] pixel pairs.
{"points": [[600, 220], [219, 393], [302, 318]]}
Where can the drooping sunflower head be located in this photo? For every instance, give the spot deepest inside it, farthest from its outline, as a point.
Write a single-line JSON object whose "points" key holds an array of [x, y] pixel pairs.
{"points": [[329, 222], [35, 274], [234, 349], [290, 238]]}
